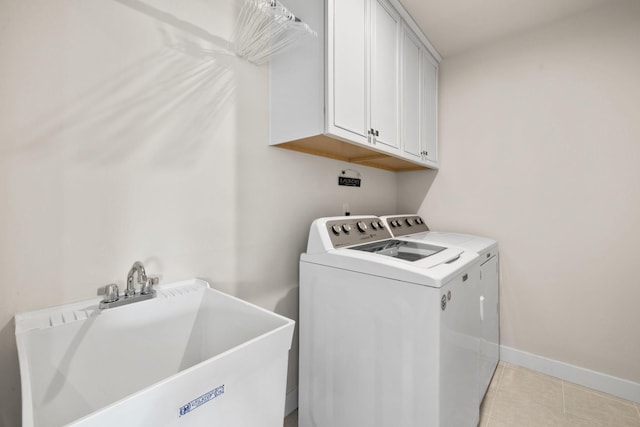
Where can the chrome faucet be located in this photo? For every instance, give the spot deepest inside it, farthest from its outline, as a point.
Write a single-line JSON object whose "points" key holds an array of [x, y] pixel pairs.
{"points": [[137, 267], [112, 297]]}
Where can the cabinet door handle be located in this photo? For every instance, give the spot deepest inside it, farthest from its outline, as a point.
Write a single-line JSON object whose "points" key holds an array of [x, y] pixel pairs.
{"points": [[377, 133]]}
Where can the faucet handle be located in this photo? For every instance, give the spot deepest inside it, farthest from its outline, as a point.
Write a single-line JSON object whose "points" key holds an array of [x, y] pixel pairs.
{"points": [[110, 292], [147, 286]]}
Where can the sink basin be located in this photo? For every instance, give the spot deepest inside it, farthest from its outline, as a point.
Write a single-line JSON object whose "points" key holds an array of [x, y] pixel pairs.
{"points": [[192, 356]]}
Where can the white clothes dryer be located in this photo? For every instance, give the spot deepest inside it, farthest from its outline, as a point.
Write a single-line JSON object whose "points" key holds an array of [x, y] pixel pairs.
{"points": [[414, 228], [388, 329]]}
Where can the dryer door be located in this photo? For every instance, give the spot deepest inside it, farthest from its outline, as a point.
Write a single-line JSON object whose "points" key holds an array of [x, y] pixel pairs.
{"points": [[459, 347], [490, 320]]}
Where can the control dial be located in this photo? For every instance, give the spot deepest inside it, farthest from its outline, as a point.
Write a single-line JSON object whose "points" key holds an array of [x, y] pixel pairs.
{"points": [[361, 226], [346, 228], [409, 222], [335, 229]]}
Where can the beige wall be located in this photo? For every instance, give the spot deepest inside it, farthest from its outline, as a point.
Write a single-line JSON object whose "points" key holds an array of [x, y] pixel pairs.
{"points": [[540, 148], [128, 132]]}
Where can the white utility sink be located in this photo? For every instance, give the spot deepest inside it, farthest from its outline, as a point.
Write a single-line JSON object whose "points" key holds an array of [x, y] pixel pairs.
{"points": [[192, 356]]}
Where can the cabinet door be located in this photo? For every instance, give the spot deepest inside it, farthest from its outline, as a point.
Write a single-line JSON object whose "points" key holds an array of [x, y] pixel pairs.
{"points": [[385, 29], [347, 81], [411, 97], [430, 107]]}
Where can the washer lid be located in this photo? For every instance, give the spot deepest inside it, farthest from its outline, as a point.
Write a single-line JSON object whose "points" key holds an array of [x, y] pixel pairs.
{"points": [[402, 249], [478, 244], [432, 271]]}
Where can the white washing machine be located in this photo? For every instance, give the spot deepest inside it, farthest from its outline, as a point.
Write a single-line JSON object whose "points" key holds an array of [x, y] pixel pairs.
{"points": [[413, 227], [388, 329]]}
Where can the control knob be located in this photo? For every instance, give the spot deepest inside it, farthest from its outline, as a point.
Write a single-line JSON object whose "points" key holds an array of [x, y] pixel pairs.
{"points": [[335, 229], [346, 228], [361, 226], [409, 222]]}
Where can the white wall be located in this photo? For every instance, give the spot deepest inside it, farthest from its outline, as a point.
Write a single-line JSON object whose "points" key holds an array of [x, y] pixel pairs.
{"points": [[540, 149], [128, 132]]}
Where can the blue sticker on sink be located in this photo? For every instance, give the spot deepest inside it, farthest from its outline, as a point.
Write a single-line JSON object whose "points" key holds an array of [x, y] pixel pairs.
{"points": [[199, 401]]}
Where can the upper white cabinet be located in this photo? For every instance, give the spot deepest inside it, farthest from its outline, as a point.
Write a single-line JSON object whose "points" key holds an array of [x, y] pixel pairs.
{"points": [[419, 101], [362, 78], [412, 107], [347, 77], [429, 115], [385, 76], [362, 92]]}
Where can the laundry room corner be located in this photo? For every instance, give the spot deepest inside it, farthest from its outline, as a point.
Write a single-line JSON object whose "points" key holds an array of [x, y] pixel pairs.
{"points": [[538, 136], [413, 188]]}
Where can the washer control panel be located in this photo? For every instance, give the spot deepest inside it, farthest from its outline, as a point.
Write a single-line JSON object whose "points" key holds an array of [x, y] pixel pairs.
{"points": [[347, 232], [406, 224]]}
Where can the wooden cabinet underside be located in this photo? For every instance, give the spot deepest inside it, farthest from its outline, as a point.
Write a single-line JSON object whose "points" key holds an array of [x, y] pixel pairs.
{"points": [[322, 145]]}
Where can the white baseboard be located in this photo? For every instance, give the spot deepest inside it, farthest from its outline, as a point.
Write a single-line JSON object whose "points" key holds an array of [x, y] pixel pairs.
{"points": [[598, 381], [291, 402]]}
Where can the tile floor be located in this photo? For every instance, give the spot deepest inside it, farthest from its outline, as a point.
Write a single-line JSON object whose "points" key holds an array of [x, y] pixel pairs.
{"points": [[519, 397]]}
